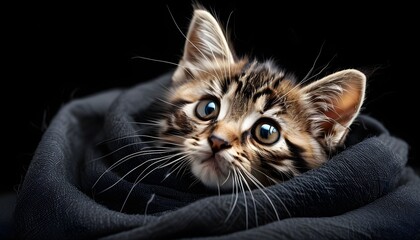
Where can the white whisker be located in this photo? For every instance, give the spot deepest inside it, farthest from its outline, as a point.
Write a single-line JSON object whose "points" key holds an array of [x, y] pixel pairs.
{"points": [[181, 165], [241, 179], [261, 187], [138, 136], [252, 197], [152, 197], [145, 123], [124, 159], [322, 69], [226, 178], [313, 65], [138, 179], [153, 160], [235, 194]]}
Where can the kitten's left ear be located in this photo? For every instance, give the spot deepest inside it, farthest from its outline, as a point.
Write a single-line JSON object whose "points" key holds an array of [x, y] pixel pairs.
{"points": [[205, 43], [206, 40], [337, 99]]}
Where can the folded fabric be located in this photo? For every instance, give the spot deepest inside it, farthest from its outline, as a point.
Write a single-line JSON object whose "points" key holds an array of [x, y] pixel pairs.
{"points": [[74, 188]]}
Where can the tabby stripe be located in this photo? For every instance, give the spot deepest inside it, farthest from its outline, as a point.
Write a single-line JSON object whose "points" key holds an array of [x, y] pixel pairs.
{"points": [[278, 80], [244, 136], [173, 132], [225, 85], [237, 158], [239, 87], [274, 173], [227, 82], [274, 101], [263, 92], [248, 90], [245, 68], [297, 158]]}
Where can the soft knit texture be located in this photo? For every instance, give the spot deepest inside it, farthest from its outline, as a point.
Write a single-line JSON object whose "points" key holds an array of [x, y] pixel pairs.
{"points": [[365, 191]]}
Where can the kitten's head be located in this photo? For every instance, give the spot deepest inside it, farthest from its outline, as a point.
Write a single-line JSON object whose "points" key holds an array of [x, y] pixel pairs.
{"points": [[243, 120]]}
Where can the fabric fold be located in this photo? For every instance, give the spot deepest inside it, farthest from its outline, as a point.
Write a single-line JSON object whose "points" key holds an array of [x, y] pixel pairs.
{"points": [[91, 178]]}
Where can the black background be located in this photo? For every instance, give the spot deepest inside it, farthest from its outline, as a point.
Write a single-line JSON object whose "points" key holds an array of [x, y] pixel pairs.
{"points": [[59, 52]]}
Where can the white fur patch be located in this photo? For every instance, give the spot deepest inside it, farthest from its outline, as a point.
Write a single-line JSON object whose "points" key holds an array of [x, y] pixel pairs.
{"points": [[224, 107], [249, 121], [189, 109]]}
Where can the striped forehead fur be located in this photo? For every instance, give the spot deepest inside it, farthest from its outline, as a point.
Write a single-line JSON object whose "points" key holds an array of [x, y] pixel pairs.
{"points": [[251, 86]]}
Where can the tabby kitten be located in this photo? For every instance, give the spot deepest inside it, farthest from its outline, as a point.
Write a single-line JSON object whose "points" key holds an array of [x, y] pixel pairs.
{"points": [[240, 121]]}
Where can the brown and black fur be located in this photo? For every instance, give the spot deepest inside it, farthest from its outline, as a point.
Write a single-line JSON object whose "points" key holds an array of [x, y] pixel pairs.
{"points": [[312, 119]]}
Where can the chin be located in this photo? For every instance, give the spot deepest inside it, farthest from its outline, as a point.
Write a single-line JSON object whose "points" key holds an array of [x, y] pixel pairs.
{"points": [[212, 174]]}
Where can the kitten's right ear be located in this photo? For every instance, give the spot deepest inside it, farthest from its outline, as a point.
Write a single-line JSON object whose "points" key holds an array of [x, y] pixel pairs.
{"points": [[205, 44], [337, 99]]}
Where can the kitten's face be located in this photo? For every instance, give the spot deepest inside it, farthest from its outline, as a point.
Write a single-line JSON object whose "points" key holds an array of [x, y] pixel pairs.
{"points": [[247, 123]]}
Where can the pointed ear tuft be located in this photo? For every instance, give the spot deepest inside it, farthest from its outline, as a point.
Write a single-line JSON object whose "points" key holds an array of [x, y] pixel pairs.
{"points": [[206, 40], [205, 43], [337, 99]]}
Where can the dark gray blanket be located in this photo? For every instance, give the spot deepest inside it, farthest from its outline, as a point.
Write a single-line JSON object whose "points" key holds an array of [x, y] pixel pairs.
{"points": [[366, 191]]}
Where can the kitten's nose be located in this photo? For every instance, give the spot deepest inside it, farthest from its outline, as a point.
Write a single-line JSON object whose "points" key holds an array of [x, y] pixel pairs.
{"points": [[218, 144]]}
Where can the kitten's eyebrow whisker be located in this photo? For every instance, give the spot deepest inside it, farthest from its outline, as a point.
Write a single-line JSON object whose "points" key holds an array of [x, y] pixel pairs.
{"points": [[156, 60], [305, 79], [175, 64], [313, 65], [162, 61], [322, 69]]}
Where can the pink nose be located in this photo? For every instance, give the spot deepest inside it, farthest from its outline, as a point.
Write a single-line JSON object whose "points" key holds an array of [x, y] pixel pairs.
{"points": [[218, 144]]}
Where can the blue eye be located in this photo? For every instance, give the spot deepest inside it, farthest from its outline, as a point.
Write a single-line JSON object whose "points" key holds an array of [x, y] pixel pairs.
{"points": [[207, 109], [266, 131]]}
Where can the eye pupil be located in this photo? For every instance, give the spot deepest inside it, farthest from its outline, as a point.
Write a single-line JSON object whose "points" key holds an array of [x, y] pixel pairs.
{"points": [[210, 107], [267, 130]]}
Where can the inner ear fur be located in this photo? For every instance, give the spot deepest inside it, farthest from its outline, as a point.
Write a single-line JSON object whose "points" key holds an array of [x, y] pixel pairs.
{"points": [[338, 99]]}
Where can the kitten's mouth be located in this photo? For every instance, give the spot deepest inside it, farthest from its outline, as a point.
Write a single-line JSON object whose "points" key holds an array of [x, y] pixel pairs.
{"points": [[212, 171], [216, 161], [212, 162], [215, 164], [212, 158]]}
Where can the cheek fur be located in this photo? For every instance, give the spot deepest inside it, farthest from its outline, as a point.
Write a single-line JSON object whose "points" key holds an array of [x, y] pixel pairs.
{"points": [[179, 124]]}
